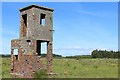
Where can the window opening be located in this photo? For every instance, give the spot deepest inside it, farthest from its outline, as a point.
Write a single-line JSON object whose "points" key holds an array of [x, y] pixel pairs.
{"points": [[16, 53], [42, 19]]}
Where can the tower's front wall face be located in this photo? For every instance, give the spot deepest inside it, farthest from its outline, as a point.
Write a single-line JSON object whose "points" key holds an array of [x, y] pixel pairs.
{"points": [[37, 31]]}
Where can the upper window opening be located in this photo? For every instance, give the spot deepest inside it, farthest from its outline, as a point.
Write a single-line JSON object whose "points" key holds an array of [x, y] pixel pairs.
{"points": [[24, 28], [25, 19], [42, 19]]}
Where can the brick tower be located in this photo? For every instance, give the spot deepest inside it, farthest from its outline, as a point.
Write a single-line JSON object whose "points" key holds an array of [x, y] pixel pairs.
{"points": [[36, 27]]}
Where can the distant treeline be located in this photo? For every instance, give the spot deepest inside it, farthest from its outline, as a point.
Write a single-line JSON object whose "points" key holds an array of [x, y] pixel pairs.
{"points": [[104, 54], [79, 57], [54, 55], [43, 55], [95, 54], [4, 55]]}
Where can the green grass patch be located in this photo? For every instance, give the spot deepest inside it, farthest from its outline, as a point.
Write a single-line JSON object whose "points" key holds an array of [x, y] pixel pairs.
{"points": [[72, 68], [6, 68], [41, 74]]}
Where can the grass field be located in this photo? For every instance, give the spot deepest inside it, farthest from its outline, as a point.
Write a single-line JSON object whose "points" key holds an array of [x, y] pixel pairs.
{"points": [[71, 68]]}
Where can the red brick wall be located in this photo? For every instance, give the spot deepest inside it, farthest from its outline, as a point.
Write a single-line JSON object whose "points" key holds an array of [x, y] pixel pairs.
{"points": [[27, 65]]}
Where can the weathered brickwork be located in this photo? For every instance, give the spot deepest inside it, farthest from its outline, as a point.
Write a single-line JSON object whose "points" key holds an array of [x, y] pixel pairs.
{"points": [[33, 31]]}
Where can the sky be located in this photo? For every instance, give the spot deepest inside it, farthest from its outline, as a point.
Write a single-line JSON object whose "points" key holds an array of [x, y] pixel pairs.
{"points": [[80, 27]]}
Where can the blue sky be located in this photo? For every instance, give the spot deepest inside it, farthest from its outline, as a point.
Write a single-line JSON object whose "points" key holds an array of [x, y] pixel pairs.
{"points": [[79, 27]]}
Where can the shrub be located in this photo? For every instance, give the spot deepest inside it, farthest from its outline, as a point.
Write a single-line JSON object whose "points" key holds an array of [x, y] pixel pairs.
{"points": [[68, 64], [41, 74], [95, 66], [74, 67]]}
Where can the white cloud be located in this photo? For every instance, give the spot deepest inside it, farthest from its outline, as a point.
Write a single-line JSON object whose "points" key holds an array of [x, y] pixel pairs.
{"points": [[87, 12], [72, 48], [67, 51], [104, 14]]}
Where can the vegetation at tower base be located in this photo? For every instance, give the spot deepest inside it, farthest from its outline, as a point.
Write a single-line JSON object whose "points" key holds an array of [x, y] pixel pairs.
{"points": [[41, 74]]}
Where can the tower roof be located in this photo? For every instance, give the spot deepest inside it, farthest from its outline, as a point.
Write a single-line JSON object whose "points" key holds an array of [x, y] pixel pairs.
{"points": [[33, 5]]}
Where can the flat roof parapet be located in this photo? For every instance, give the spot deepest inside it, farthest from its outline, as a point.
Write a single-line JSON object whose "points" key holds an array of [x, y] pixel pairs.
{"points": [[15, 40], [33, 5]]}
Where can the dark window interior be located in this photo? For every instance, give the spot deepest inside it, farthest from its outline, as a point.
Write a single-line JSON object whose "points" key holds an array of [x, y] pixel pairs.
{"points": [[38, 44], [24, 27], [16, 57], [25, 19]]}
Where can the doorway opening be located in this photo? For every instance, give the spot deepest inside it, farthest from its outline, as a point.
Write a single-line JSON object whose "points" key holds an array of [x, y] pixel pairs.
{"points": [[41, 48]]}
